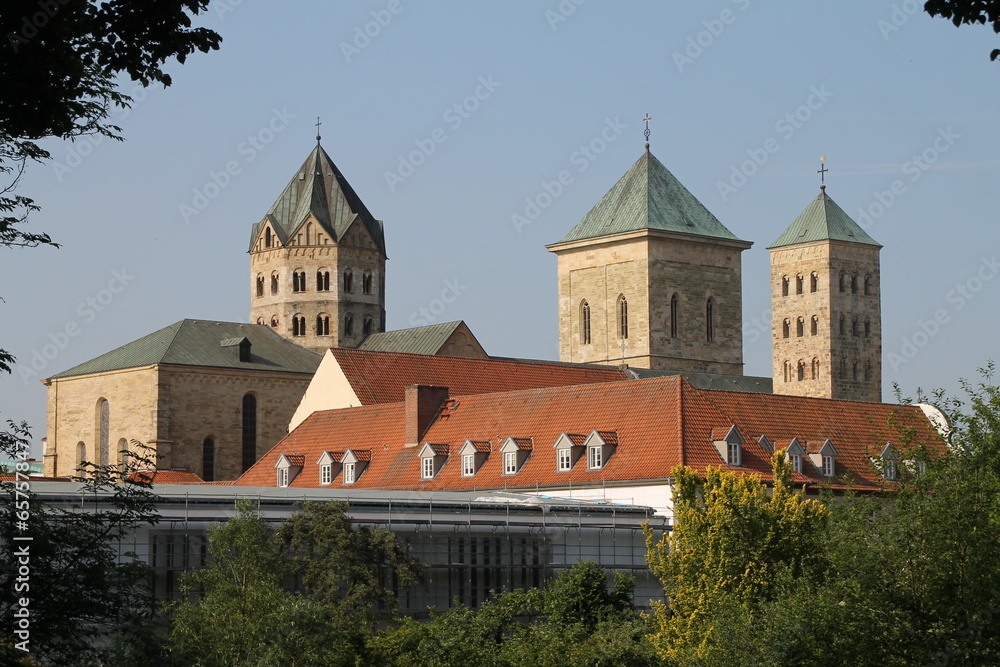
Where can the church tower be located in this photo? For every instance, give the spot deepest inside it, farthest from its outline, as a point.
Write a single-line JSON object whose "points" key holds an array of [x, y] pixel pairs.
{"points": [[826, 311], [317, 261], [650, 278]]}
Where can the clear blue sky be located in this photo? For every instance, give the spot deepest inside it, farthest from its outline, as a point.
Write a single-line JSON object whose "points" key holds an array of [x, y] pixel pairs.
{"points": [[899, 101]]}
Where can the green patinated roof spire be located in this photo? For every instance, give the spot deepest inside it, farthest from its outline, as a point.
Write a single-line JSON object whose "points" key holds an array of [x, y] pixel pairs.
{"points": [[823, 220], [320, 189], [648, 196]]}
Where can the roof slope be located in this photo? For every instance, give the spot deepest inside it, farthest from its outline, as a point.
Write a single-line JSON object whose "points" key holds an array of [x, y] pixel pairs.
{"points": [[320, 189], [658, 423], [417, 340], [823, 220], [381, 377], [648, 196], [199, 343]]}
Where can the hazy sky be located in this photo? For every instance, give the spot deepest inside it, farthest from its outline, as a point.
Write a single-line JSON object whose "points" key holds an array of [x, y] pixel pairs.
{"points": [[449, 119]]}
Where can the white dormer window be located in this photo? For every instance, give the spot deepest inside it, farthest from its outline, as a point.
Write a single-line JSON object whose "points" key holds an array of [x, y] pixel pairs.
{"points": [[825, 459], [730, 446], [890, 471], [600, 446], [565, 459], [829, 467], [432, 457], [474, 455], [734, 457], [427, 468], [354, 463], [327, 462], [795, 452], [796, 461], [282, 477], [288, 466], [468, 465], [569, 447], [509, 463], [350, 473], [325, 474]]}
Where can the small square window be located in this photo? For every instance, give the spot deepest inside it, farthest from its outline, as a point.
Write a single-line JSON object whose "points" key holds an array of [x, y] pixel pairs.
{"points": [[468, 465], [349, 473], [565, 459], [509, 463], [595, 458], [325, 474], [427, 467]]}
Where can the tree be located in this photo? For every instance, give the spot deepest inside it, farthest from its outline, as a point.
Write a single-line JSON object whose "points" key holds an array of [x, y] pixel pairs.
{"points": [[84, 593], [961, 12]]}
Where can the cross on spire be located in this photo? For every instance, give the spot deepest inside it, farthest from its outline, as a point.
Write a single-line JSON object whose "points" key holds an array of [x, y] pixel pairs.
{"points": [[317, 130], [822, 173], [646, 132]]}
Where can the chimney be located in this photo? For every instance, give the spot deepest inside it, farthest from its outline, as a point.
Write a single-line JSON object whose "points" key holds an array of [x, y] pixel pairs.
{"points": [[422, 405]]}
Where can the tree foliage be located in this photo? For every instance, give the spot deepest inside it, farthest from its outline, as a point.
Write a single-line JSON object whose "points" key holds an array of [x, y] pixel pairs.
{"points": [[965, 12]]}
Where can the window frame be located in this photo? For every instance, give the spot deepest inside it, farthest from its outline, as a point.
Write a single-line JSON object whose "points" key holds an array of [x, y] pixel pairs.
{"points": [[350, 473], [468, 465], [564, 458], [595, 458], [510, 463], [427, 467], [326, 474]]}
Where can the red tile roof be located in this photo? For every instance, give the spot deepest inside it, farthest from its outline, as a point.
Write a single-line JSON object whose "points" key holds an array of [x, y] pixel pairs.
{"points": [[177, 476], [654, 424], [380, 377]]}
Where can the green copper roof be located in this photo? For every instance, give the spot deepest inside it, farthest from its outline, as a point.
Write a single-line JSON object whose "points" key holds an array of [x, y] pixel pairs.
{"points": [[823, 220], [318, 188], [204, 343], [418, 340], [648, 196]]}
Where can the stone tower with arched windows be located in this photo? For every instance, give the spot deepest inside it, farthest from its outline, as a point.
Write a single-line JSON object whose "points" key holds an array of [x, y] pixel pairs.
{"points": [[651, 278], [317, 261], [826, 307]]}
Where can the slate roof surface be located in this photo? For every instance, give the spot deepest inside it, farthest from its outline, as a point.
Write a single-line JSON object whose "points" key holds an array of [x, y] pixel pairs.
{"points": [[417, 340], [200, 343], [823, 220], [658, 423], [720, 381], [320, 189], [381, 377], [648, 196]]}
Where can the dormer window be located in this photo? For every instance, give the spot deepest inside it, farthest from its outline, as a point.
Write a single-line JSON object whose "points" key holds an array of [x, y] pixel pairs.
{"points": [[600, 446], [432, 457], [890, 470], [327, 462], [354, 463], [828, 466], [474, 454], [730, 446], [515, 452], [824, 458], [569, 447], [289, 466], [795, 452], [765, 443], [350, 473]]}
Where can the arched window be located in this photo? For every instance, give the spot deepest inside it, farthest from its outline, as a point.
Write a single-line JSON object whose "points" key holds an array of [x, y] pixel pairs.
{"points": [[622, 316], [868, 327], [366, 282], [208, 460], [784, 285], [274, 321], [843, 281], [854, 284], [814, 327], [349, 325], [348, 281], [788, 372], [786, 328], [368, 326], [585, 323], [267, 237], [249, 430], [298, 325], [81, 455], [309, 229], [855, 330], [815, 368], [843, 325], [709, 320], [798, 284], [868, 285], [322, 324], [868, 371], [103, 422], [123, 454], [260, 285], [274, 282], [813, 282], [298, 280], [800, 327], [322, 281], [674, 316], [260, 320], [801, 370]]}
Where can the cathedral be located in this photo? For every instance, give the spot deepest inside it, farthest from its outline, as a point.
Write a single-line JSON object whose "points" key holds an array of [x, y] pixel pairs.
{"points": [[649, 280]]}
